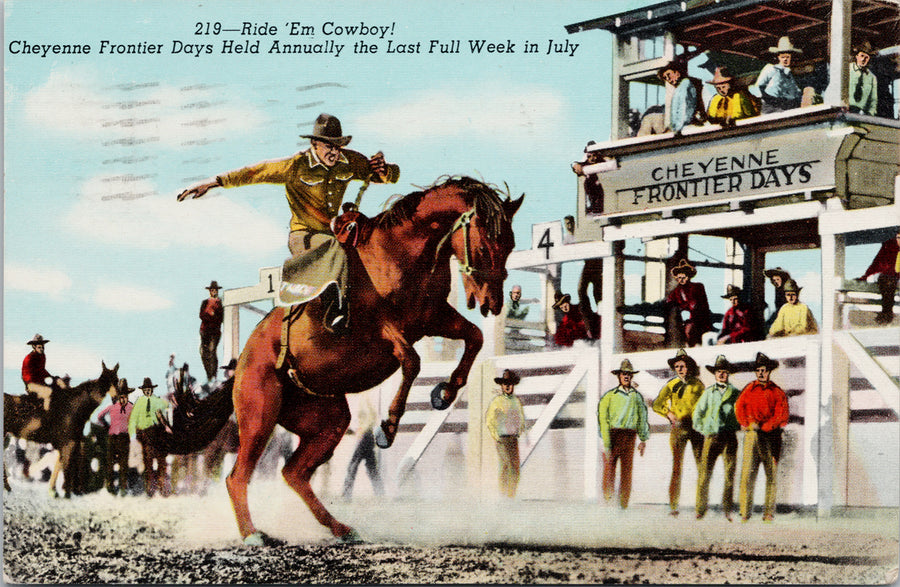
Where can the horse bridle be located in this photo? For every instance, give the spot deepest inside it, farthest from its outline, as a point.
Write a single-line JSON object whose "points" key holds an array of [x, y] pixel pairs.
{"points": [[464, 221]]}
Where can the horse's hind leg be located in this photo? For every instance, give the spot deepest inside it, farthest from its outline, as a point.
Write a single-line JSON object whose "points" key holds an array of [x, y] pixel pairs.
{"points": [[257, 401], [320, 423]]}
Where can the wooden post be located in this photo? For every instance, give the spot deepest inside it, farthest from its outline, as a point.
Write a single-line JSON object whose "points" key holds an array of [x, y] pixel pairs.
{"points": [[231, 347], [591, 428], [837, 92]]}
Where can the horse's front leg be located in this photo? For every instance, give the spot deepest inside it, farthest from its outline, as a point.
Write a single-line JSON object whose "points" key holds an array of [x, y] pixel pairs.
{"points": [[449, 323], [409, 366]]}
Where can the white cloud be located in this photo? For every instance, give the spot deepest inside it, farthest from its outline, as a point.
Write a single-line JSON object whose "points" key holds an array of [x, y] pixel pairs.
{"points": [[75, 100], [149, 220], [502, 113], [62, 358], [35, 279], [127, 298]]}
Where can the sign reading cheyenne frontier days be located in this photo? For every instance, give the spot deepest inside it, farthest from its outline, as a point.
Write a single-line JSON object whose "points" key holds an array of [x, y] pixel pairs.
{"points": [[774, 164]]}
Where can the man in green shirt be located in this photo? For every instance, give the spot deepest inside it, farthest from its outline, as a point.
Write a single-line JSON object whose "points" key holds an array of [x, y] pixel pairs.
{"points": [[315, 181], [676, 401], [147, 414], [715, 419], [622, 415]]}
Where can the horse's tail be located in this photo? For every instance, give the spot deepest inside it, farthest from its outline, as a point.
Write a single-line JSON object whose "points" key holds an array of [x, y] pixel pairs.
{"points": [[201, 426]]}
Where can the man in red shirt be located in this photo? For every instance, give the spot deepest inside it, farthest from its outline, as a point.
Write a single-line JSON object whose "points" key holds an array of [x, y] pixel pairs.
{"points": [[690, 297], [762, 411], [572, 326], [887, 265], [34, 371], [211, 316], [739, 322]]}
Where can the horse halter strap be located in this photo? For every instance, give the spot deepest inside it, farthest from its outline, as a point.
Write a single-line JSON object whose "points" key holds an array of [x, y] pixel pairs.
{"points": [[464, 221]]}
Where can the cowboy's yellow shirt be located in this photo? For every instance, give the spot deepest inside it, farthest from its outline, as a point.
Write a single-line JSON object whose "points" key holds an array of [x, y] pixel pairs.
{"points": [[314, 191]]}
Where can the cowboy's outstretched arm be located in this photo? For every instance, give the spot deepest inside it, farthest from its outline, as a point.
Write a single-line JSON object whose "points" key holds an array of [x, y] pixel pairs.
{"points": [[198, 190]]}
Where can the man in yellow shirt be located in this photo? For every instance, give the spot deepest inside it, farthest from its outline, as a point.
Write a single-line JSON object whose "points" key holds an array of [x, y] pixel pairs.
{"points": [[676, 402], [506, 422], [315, 181], [732, 101], [794, 318]]}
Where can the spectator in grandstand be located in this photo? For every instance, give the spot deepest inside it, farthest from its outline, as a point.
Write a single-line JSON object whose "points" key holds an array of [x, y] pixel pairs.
{"points": [[887, 265], [776, 83], [675, 402], [732, 100], [686, 106], [715, 419], [517, 307], [571, 326], [622, 415], [794, 318], [506, 422], [739, 323], [762, 411], [863, 84], [777, 277], [593, 189], [690, 298]]}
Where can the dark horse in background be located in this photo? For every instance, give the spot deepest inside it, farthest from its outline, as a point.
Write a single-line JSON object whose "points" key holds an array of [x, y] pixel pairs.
{"points": [[62, 426], [399, 284]]}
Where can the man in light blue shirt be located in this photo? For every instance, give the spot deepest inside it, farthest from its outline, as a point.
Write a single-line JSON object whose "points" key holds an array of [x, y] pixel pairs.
{"points": [[687, 103], [776, 83]]}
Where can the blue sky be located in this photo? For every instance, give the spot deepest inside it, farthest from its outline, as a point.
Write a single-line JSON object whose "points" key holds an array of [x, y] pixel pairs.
{"points": [[101, 259]]}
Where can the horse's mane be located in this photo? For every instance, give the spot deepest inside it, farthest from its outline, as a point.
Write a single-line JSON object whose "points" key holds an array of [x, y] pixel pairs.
{"points": [[486, 198]]}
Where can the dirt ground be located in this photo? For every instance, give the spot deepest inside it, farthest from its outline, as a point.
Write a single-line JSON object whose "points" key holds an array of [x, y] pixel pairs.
{"points": [[100, 538]]}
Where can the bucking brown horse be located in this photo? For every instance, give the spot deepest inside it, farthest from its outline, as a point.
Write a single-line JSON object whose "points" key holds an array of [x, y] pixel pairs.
{"points": [[63, 425], [400, 280]]}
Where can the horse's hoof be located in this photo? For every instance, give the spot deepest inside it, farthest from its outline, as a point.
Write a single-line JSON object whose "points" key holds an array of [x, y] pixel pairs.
{"points": [[351, 537], [54, 494], [255, 539], [381, 438], [437, 397]]}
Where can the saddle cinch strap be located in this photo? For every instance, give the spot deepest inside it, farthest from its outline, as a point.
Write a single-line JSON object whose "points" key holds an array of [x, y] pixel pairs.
{"points": [[285, 361]]}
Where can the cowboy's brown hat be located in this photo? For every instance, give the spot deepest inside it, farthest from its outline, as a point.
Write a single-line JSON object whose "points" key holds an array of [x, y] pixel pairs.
{"points": [[864, 47], [721, 75], [764, 361], [560, 299], [684, 267], [327, 128], [721, 363], [213, 285], [770, 273], [509, 377], [784, 46], [147, 384], [122, 389], [731, 291], [791, 286], [625, 368], [37, 339], [682, 355]]}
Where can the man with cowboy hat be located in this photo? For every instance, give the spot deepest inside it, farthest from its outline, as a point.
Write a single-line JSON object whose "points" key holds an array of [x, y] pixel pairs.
{"points": [[715, 419], [732, 100], [145, 416], [776, 83], [794, 318], [315, 181], [887, 265], [506, 422], [686, 106], [622, 415], [211, 315], [571, 326], [38, 381], [777, 277], [863, 83], [690, 297], [118, 442], [739, 322], [675, 402], [762, 411]]}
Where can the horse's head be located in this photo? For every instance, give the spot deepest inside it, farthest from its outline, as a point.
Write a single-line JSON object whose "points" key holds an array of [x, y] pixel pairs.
{"points": [[481, 242], [108, 382]]}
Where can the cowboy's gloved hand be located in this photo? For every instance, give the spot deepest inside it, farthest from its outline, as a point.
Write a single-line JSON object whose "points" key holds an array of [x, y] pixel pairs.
{"points": [[377, 164]]}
